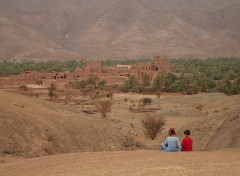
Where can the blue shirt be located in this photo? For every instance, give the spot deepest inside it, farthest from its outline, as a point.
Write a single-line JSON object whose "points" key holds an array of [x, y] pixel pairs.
{"points": [[172, 144]]}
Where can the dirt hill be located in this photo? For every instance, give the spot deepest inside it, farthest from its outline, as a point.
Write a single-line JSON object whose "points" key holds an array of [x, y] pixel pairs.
{"points": [[118, 29], [32, 127]]}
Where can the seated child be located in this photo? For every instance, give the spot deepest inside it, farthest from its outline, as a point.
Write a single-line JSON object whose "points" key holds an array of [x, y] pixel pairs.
{"points": [[187, 142], [172, 143]]}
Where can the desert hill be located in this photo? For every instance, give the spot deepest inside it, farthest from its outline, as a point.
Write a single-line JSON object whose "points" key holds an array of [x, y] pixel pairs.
{"points": [[118, 29], [31, 127]]}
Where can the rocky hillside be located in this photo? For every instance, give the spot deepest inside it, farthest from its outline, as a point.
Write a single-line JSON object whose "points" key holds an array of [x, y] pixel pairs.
{"points": [[77, 29]]}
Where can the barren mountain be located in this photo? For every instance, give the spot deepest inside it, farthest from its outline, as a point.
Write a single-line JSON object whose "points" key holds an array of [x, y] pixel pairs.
{"points": [[118, 29]]}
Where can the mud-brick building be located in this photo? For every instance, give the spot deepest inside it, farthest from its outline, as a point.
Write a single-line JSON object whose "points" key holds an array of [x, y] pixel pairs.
{"points": [[113, 75], [120, 73], [159, 66]]}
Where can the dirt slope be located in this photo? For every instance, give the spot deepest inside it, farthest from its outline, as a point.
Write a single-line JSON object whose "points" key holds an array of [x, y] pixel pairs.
{"points": [[212, 118], [32, 127], [134, 163], [220, 127]]}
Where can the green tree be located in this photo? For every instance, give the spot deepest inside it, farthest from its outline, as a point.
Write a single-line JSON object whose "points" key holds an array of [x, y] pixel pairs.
{"points": [[131, 84], [146, 80], [157, 83]]}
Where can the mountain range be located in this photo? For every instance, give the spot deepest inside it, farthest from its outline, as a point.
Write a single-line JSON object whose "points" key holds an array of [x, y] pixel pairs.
{"points": [[117, 29]]}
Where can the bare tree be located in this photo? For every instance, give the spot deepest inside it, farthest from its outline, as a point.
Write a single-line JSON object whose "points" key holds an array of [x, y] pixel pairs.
{"points": [[52, 91], [103, 107], [158, 93]]}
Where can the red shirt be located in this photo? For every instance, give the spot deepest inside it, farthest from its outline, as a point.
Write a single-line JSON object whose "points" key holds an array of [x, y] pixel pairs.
{"points": [[187, 144]]}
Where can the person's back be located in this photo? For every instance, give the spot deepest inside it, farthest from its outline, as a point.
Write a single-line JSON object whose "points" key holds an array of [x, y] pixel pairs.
{"points": [[172, 144], [187, 142]]}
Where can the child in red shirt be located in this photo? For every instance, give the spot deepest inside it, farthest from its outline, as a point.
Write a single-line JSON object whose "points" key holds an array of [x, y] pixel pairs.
{"points": [[187, 142]]}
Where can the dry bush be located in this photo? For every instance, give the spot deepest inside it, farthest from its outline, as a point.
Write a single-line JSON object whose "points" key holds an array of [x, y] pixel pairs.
{"points": [[152, 125], [23, 87], [146, 101], [125, 99], [129, 143], [103, 107]]}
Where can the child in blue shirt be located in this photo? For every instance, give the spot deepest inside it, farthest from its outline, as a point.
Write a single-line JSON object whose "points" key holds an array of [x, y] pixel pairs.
{"points": [[172, 142]]}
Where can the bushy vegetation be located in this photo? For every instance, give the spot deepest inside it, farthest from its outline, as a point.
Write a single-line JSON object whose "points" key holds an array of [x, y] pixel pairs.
{"points": [[192, 76], [152, 125], [14, 68], [93, 82]]}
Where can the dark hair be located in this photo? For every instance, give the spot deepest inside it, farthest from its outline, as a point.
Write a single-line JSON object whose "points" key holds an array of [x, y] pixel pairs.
{"points": [[187, 132], [171, 131]]}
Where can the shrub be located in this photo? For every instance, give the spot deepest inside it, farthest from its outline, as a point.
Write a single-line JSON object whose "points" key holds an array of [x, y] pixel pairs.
{"points": [[103, 107], [23, 87], [146, 101], [152, 125]]}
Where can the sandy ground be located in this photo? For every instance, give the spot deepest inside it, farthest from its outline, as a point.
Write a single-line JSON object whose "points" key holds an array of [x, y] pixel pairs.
{"points": [[131, 163]]}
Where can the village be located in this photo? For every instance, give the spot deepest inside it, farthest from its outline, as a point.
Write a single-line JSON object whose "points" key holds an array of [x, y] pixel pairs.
{"points": [[65, 80]]}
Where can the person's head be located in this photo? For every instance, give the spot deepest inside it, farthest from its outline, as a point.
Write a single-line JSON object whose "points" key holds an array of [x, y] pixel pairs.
{"points": [[187, 133], [171, 132]]}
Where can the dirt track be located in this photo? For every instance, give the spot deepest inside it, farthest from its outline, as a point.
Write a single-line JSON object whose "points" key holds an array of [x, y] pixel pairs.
{"points": [[132, 163]]}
